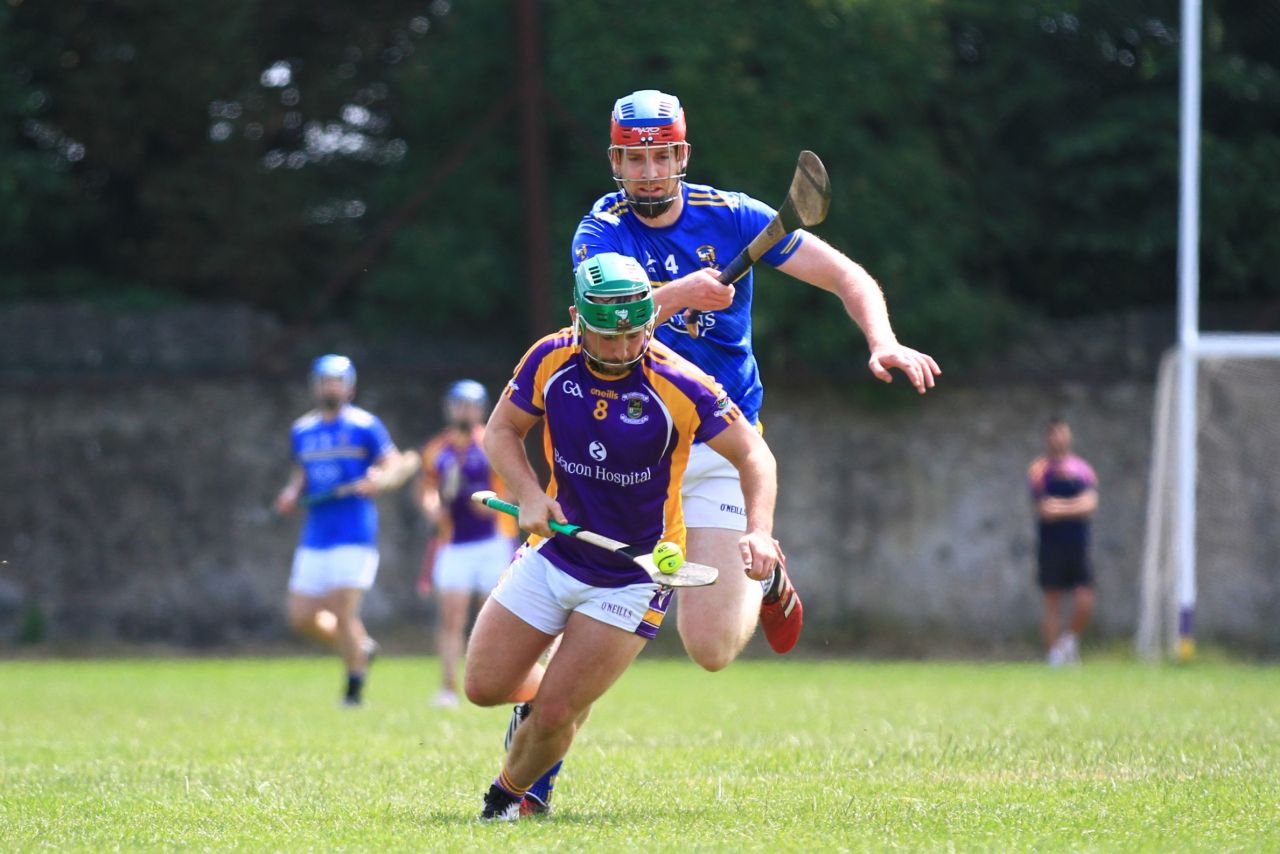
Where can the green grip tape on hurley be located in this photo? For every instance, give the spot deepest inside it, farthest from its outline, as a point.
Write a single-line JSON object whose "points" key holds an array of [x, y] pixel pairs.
{"points": [[490, 499]]}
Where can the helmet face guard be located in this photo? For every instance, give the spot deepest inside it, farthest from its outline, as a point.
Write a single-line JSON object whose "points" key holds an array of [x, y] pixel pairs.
{"points": [[647, 128], [613, 298]]}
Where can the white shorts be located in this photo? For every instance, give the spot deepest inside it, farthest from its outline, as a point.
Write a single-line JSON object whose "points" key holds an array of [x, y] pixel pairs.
{"points": [[318, 572], [712, 492], [543, 596], [475, 566]]}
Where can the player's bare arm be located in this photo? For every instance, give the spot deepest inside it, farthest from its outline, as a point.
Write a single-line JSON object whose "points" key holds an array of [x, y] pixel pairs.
{"points": [[823, 266], [743, 446], [504, 445], [427, 494], [370, 484], [287, 500], [1081, 506], [699, 290]]}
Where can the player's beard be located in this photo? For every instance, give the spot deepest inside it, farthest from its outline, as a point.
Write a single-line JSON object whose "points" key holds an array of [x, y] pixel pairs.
{"points": [[605, 369], [332, 402], [650, 209]]}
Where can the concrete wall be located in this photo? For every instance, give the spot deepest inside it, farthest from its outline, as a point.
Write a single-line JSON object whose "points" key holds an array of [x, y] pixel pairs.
{"points": [[135, 505]]}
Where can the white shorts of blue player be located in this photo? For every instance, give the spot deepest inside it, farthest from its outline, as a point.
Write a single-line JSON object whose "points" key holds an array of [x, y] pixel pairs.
{"points": [[318, 572], [712, 492]]}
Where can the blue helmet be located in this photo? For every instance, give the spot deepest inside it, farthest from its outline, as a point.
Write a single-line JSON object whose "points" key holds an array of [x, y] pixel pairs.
{"points": [[469, 391], [333, 365]]}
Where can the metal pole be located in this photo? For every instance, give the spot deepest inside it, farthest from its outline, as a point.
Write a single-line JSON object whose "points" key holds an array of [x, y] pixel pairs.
{"points": [[1188, 320]]}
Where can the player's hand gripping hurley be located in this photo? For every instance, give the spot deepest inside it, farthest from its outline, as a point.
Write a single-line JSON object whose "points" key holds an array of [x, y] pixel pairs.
{"points": [[805, 206], [688, 575], [383, 480]]}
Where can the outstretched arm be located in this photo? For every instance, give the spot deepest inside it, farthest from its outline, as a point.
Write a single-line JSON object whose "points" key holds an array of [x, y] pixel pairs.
{"points": [[823, 266], [504, 446]]}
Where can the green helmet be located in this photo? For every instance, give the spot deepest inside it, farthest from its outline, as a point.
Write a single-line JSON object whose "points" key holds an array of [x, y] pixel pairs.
{"points": [[612, 295]]}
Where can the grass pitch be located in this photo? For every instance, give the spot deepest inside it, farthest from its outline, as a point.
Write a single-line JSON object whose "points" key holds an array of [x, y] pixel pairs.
{"points": [[254, 754]]}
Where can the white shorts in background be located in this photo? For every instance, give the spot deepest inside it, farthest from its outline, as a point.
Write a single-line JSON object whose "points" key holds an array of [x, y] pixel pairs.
{"points": [[537, 592], [472, 567], [318, 572], [712, 492]]}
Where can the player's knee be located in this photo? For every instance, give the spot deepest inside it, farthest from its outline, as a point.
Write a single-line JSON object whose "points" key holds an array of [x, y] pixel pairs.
{"points": [[482, 693], [345, 622], [552, 715], [710, 656]]}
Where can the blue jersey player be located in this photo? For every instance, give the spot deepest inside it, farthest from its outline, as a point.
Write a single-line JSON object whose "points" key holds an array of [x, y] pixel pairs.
{"points": [[338, 451], [683, 233], [620, 414]]}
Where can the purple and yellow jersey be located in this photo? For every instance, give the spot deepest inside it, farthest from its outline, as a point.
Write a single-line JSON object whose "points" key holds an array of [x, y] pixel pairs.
{"points": [[333, 453], [456, 472], [617, 447], [1068, 477], [714, 226]]}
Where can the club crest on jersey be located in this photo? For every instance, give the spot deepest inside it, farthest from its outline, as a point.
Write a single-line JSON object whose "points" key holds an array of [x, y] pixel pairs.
{"points": [[635, 413], [722, 404], [581, 252], [707, 255]]}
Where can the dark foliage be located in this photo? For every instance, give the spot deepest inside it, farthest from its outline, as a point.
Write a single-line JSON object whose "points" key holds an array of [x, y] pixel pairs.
{"points": [[991, 160]]}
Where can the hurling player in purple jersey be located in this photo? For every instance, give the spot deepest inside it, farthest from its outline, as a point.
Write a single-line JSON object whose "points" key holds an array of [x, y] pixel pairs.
{"points": [[472, 544], [620, 414], [1064, 490], [337, 450], [683, 233]]}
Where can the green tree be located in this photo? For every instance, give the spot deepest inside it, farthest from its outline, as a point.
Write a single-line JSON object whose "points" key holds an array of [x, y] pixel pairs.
{"points": [[990, 160]]}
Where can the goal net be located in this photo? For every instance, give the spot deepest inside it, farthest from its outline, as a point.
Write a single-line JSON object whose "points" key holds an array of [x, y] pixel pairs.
{"points": [[1234, 591]]}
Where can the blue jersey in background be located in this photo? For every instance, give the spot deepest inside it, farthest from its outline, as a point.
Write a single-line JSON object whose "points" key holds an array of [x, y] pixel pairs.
{"points": [[333, 453]]}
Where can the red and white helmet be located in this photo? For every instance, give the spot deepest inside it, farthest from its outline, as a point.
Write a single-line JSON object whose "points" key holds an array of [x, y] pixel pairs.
{"points": [[654, 121], [646, 117]]}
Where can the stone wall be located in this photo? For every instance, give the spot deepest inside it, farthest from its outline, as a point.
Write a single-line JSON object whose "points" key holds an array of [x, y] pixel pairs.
{"points": [[136, 503]]}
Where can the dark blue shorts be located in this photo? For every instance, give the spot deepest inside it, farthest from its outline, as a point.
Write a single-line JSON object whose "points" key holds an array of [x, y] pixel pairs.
{"points": [[1064, 567]]}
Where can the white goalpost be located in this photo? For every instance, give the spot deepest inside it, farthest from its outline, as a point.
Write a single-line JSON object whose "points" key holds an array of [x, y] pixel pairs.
{"points": [[1213, 393], [1227, 479]]}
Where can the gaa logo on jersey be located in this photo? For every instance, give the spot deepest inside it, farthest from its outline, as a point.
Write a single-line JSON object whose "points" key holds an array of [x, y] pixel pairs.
{"points": [[597, 451], [707, 255], [635, 413]]}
